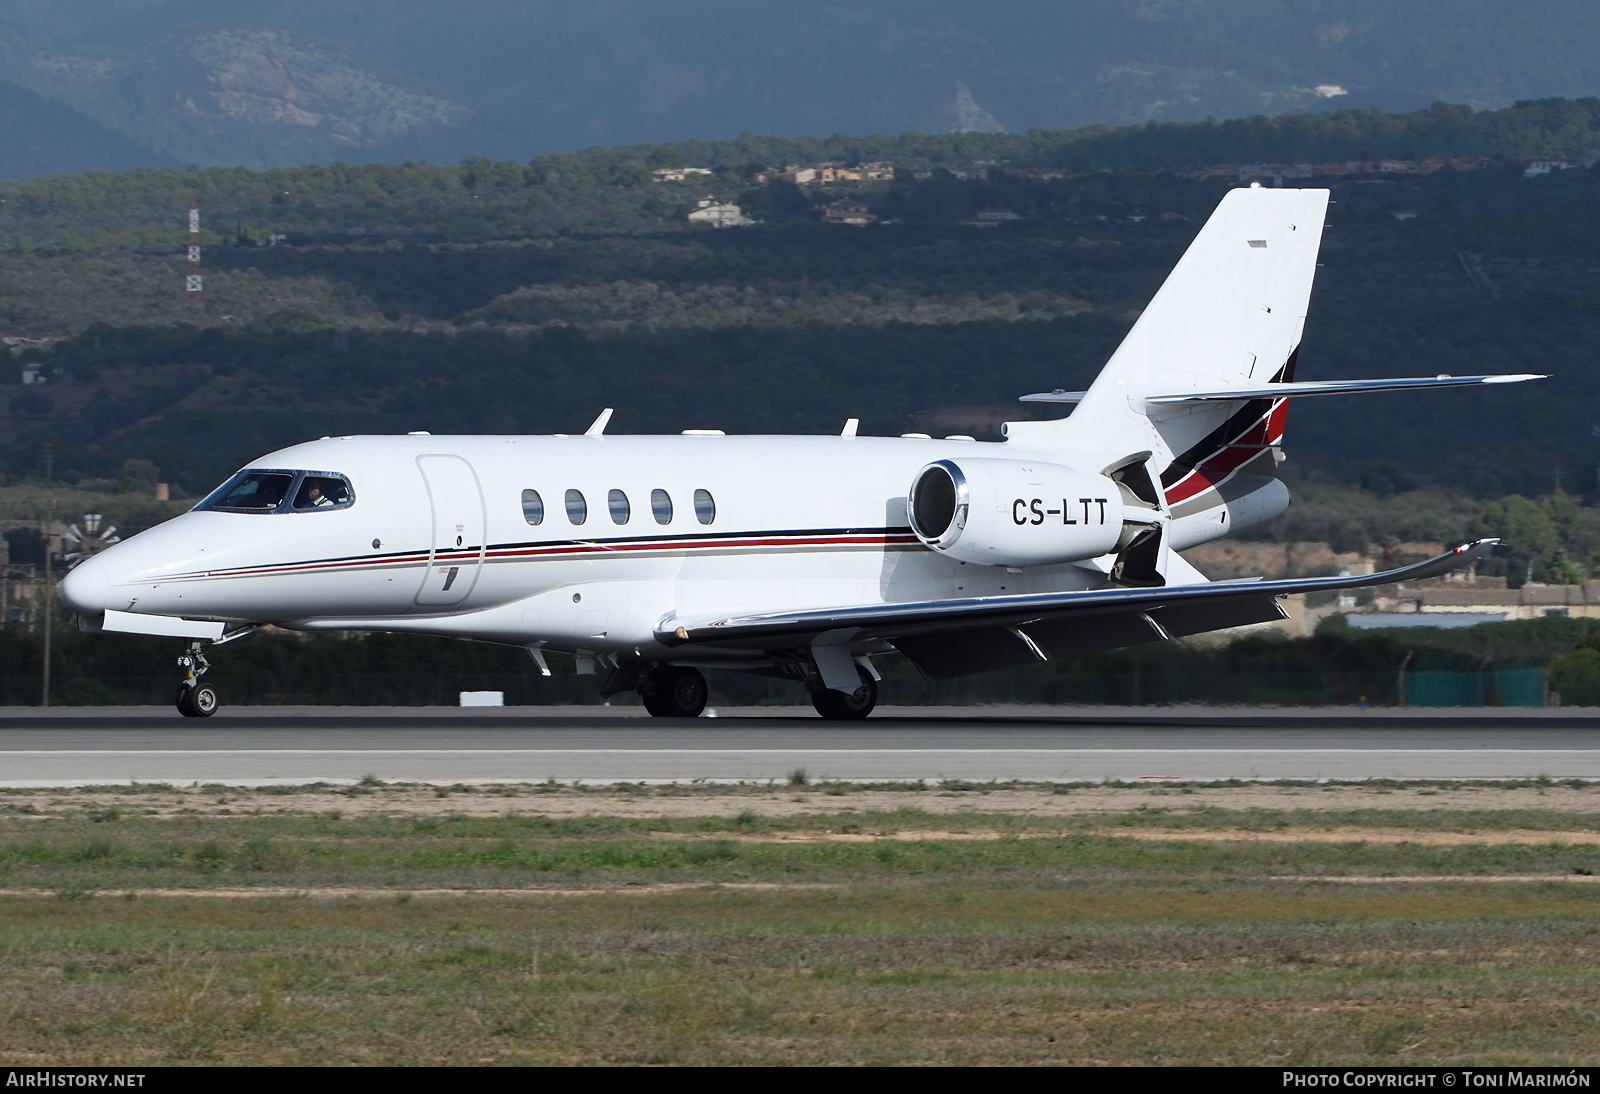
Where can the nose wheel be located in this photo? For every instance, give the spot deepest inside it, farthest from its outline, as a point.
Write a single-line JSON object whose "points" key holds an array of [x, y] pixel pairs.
{"points": [[195, 700]]}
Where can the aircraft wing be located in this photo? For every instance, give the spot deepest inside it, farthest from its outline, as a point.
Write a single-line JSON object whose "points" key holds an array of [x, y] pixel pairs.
{"points": [[953, 637]]}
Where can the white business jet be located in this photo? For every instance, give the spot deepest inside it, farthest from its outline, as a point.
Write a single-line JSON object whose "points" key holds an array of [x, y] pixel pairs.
{"points": [[650, 559]]}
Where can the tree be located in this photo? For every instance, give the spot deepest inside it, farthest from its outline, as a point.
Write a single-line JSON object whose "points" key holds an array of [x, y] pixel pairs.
{"points": [[1563, 513], [774, 201], [1529, 533], [665, 156], [1577, 675], [137, 477], [32, 402]]}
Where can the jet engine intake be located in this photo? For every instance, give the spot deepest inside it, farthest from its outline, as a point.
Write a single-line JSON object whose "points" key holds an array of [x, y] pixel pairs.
{"points": [[1014, 512]]}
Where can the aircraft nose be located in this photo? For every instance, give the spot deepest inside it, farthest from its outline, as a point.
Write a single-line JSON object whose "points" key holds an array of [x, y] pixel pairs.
{"points": [[87, 587]]}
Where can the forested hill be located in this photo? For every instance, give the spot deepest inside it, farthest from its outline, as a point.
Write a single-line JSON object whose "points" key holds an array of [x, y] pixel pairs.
{"points": [[609, 190], [524, 297], [1555, 128]]}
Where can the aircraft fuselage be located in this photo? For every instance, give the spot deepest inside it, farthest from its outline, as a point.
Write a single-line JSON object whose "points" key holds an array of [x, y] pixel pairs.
{"points": [[438, 539]]}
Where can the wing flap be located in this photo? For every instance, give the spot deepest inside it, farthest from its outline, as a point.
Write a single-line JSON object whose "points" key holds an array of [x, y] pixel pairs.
{"points": [[1181, 620], [1065, 639], [976, 649]]}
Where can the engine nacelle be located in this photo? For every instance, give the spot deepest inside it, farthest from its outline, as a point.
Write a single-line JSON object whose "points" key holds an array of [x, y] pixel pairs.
{"points": [[1014, 512]]}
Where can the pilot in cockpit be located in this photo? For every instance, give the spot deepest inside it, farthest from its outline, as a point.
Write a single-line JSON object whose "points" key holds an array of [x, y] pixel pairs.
{"points": [[317, 492]]}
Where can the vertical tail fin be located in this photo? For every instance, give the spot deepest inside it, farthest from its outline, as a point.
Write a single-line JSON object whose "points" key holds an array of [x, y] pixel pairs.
{"points": [[1230, 313]]}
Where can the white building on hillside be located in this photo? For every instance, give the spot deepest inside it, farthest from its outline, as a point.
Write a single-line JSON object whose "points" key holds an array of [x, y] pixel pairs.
{"points": [[720, 215]]}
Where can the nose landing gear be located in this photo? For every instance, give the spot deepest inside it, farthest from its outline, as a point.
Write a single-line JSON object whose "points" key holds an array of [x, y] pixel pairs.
{"points": [[195, 700]]}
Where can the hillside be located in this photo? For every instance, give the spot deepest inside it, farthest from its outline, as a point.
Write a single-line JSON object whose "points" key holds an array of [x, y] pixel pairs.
{"points": [[512, 297], [275, 82], [42, 137]]}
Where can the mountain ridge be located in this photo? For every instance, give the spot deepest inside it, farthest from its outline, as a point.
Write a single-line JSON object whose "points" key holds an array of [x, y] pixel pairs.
{"points": [[278, 82]]}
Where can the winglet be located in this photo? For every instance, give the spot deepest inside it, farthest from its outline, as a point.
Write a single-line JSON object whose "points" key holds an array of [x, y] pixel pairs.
{"points": [[600, 423]]}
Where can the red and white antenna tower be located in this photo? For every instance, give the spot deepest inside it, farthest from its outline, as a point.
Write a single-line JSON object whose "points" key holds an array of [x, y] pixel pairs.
{"points": [[192, 286]]}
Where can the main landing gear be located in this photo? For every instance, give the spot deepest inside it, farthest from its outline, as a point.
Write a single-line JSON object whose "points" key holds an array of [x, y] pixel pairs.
{"points": [[678, 691], [195, 700], [839, 707], [673, 691]]}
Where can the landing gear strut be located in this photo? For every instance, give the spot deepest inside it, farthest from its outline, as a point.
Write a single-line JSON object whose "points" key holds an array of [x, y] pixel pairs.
{"points": [[674, 691], [195, 700], [839, 707]]}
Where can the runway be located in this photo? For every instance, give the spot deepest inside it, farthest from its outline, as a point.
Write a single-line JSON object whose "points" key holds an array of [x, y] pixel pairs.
{"points": [[261, 745]]}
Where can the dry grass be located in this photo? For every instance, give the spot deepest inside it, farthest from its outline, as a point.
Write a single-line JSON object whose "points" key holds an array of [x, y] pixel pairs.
{"points": [[761, 935], [1563, 804]]}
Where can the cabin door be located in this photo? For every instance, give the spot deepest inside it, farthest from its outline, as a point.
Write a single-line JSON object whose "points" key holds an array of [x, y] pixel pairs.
{"points": [[456, 554]]}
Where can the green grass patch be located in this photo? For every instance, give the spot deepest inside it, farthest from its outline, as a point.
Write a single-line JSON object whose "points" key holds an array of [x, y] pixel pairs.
{"points": [[710, 941]]}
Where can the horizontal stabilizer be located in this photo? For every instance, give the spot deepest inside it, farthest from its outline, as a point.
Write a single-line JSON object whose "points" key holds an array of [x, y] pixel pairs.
{"points": [[1307, 387], [1056, 396], [1328, 387]]}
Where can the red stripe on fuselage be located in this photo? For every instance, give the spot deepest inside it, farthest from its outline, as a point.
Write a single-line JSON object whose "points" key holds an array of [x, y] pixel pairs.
{"points": [[628, 548], [565, 549]]}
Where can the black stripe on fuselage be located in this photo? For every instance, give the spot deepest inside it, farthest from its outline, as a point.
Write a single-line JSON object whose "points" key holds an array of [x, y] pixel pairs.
{"points": [[1222, 436], [421, 557]]}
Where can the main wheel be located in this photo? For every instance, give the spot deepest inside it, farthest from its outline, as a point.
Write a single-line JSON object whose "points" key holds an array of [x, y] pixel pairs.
{"points": [[204, 701], [185, 701], [839, 707], [679, 693]]}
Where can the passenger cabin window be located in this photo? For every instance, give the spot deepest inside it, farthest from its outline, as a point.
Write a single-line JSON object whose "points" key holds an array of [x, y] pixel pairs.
{"points": [[532, 507], [661, 505], [705, 507], [617, 501], [322, 492], [577, 508]]}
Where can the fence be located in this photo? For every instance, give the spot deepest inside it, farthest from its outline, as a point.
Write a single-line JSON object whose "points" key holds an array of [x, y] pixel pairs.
{"points": [[1151, 687], [313, 689], [1519, 687], [1503, 688]]}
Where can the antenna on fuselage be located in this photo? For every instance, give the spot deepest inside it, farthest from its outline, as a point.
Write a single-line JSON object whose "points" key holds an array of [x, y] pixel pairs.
{"points": [[850, 426], [600, 423]]}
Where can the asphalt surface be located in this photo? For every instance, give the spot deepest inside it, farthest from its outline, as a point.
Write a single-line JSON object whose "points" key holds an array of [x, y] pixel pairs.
{"points": [[78, 746]]}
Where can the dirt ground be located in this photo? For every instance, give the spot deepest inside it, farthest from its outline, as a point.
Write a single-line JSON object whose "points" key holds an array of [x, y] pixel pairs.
{"points": [[1354, 834], [782, 801]]}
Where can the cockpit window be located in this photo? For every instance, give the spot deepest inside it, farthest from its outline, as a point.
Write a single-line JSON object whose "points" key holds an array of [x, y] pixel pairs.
{"points": [[322, 492], [253, 491]]}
